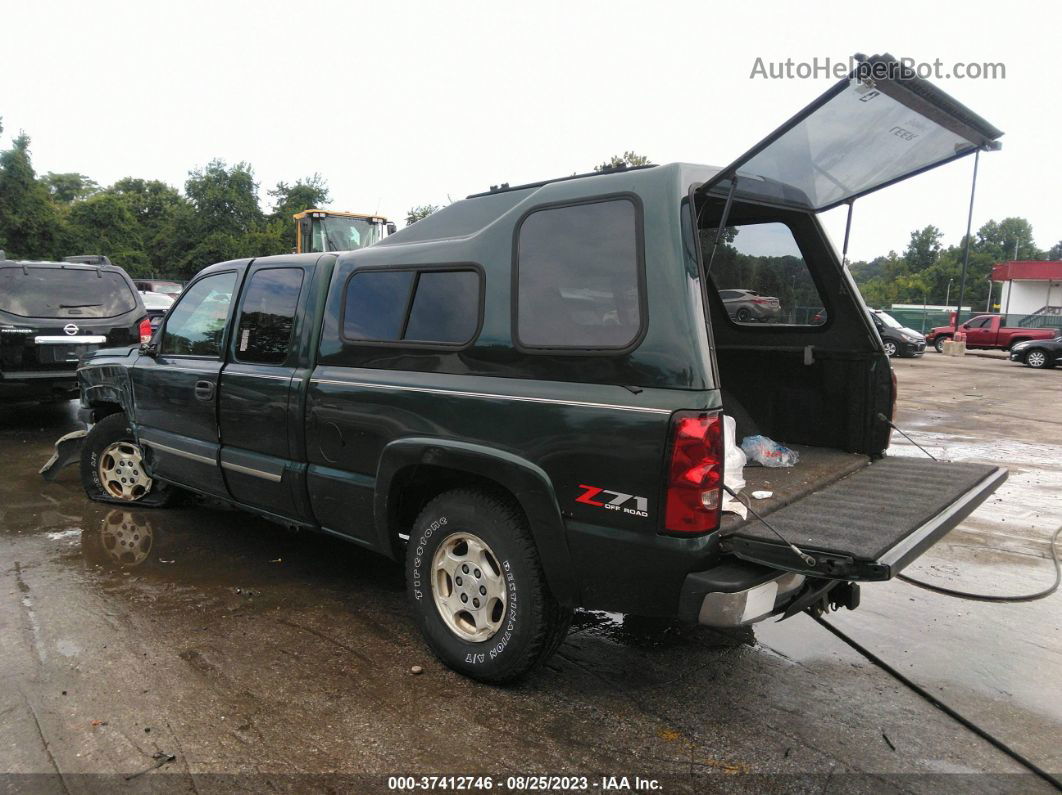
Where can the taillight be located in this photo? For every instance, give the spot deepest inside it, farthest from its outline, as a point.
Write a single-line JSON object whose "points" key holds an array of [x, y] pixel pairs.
{"points": [[145, 330], [760, 301], [695, 473]]}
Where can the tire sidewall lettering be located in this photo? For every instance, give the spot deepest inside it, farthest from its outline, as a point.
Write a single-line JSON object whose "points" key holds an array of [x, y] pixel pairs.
{"points": [[417, 583]]}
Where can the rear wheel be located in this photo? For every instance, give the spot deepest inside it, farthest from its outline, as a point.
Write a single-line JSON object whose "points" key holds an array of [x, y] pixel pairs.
{"points": [[477, 589], [112, 467], [1037, 359], [891, 349], [744, 315], [939, 343]]}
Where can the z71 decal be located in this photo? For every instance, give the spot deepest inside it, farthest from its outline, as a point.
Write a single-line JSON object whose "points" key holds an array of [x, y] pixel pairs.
{"points": [[613, 500]]}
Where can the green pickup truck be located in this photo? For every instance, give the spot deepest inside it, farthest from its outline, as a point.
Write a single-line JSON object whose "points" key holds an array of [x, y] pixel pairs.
{"points": [[522, 395]]}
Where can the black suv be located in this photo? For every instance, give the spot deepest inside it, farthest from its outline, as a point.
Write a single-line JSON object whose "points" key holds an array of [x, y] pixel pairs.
{"points": [[53, 313], [523, 395]]}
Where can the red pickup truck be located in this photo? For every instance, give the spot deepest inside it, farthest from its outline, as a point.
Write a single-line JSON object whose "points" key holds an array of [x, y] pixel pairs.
{"points": [[987, 331]]}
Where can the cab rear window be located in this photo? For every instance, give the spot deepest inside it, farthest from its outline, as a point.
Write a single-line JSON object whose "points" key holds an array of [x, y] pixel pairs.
{"points": [[64, 293]]}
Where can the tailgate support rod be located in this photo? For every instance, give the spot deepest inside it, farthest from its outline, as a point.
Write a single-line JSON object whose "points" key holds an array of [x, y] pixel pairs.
{"points": [[966, 245], [722, 221]]}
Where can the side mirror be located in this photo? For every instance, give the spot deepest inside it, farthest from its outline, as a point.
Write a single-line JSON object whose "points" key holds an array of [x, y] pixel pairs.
{"points": [[149, 349], [391, 227]]}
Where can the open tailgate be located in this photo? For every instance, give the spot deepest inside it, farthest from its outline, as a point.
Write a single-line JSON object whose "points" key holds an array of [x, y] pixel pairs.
{"points": [[871, 524]]}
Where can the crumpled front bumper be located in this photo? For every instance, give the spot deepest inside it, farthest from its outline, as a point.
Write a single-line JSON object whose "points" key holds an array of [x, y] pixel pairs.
{"points": [[67, 452]]}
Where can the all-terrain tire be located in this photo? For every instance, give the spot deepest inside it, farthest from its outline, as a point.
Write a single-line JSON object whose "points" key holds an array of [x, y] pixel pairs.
{"points": [[109, 431], [533, 623], [938, 343]]}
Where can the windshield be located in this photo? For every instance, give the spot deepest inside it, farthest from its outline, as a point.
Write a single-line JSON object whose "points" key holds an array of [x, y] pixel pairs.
{"points": [[343, 234], [888, 320], [64, 292]]}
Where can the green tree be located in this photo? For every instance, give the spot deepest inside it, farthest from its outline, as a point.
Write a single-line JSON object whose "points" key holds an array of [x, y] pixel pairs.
{"points": [[69, 186], [305, 194], [1000, 240], [1055, 252], [154, 205], [626, 160], [420, 212], [105, 224], [923, 248], [30, 221], [223, 220]]}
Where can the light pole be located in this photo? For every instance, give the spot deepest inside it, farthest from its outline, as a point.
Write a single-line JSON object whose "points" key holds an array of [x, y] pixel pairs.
{"points": [[947, 298]]}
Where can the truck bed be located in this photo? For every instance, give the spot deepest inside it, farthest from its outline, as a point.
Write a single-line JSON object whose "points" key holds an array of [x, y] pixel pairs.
{"points": [[818, 467]]}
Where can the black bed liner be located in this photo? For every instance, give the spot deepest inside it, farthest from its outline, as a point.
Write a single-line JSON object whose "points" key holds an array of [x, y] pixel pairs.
{"points": [[872, 523]]}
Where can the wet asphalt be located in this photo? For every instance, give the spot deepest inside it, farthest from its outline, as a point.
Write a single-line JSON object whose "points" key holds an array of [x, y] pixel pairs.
{"points": [[262, 658]]}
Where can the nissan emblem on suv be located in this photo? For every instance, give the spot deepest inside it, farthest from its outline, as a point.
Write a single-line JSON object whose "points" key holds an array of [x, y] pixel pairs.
{"points": [[71, 329]]}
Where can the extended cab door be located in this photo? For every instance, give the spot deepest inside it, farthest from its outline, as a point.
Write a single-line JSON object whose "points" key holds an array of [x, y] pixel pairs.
{"points": [[175, 392], [981, 332], [259, 391]]}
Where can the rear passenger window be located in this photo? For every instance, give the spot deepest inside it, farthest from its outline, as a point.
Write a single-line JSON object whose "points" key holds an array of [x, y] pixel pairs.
{"points": [[435, 307], [579, 277], [267, 317]]}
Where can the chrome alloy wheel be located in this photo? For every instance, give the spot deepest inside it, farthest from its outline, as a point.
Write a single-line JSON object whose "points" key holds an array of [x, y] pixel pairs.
{"points": [[468, 587], [122, 473], [1036, 359]]}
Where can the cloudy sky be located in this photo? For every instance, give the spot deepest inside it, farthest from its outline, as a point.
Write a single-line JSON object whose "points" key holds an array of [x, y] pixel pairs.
{"points": [[404, 103]]}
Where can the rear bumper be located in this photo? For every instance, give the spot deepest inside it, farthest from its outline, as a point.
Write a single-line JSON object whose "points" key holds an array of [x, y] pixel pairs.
{"points": [[736, 594]]}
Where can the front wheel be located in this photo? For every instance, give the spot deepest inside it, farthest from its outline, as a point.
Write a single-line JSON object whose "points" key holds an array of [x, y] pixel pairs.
{"points": [[1037, 359], [477, 589], [891, 350], [939, 343], [112, 467]]}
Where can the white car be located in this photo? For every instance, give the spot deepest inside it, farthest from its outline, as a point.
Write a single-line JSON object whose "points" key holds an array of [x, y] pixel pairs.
{"points": [[157, 304]]}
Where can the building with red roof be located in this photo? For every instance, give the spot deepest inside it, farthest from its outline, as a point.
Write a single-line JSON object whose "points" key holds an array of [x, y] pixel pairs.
{"points": [[1029, 286]]}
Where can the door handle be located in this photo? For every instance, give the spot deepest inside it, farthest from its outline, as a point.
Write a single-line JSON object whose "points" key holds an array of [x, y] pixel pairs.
{"points": [[204, 390]]}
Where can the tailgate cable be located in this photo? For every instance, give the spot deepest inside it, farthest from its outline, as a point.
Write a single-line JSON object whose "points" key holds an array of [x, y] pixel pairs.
{"points": [[980, 597], [969, 724], [808, 560], [892, 425]]}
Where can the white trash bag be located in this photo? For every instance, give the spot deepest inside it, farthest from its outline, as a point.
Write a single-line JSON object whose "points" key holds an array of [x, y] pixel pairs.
{"points": [[733, 466]]}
